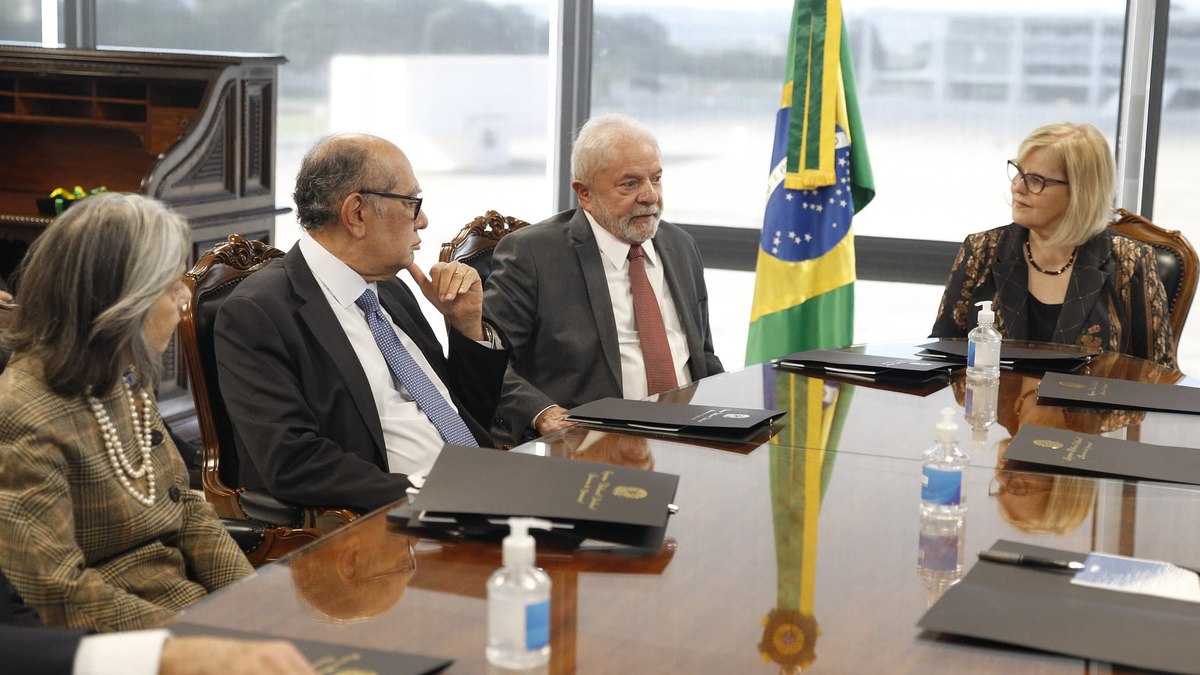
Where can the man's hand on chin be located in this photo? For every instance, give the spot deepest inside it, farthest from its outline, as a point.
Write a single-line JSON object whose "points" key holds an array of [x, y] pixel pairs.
{"points": [[456, 291]]}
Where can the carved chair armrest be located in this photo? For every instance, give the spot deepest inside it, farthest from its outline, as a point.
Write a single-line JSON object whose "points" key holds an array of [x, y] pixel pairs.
{"points": [[259, 505]]}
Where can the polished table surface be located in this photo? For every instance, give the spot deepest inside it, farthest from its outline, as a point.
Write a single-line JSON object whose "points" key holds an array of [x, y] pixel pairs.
{"points": [[803, 552]]}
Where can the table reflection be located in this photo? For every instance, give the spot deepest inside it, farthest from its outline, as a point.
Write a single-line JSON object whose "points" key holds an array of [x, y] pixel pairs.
{"points": [[791, 555], [358, 576], [799, 477]]}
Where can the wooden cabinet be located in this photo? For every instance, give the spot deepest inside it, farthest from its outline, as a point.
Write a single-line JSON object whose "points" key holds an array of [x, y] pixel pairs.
{"points": [[194, 129]]}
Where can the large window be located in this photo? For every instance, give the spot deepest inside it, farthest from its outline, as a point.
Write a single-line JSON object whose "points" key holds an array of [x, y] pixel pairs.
{"points": [[1176, 199], [21, 20], [946, 89], [708, 84], [459, 85], [948, 94]]}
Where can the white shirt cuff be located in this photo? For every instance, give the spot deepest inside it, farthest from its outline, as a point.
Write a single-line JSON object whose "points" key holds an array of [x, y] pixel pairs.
{"points": [[134, 653]]}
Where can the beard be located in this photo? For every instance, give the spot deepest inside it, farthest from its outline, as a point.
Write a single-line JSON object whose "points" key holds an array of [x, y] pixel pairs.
{"points": [[624, 227]]}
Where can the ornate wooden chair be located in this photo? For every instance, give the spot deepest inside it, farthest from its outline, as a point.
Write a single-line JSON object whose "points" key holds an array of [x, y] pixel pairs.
{"points": [[1177, 263], [249, 513], [474, 243]]}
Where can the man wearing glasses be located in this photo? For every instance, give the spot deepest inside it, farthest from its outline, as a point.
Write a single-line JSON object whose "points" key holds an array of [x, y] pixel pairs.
{"points": [[603, 300], [336, 385]]}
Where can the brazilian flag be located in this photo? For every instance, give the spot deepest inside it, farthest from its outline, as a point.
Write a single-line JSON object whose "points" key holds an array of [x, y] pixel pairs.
{"points": [[820, 177]]}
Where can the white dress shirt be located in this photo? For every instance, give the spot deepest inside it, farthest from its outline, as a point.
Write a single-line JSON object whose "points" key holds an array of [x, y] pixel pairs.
{"points": [[411, 439], [133, 653], [614, 255]]}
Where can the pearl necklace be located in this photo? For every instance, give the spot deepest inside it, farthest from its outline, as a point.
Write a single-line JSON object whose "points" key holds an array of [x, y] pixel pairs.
{"points": [[142, 433]]}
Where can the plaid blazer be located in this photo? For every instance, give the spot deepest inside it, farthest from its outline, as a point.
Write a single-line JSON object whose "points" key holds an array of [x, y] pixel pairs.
{"points": [[77, 546], [1115, 300]]}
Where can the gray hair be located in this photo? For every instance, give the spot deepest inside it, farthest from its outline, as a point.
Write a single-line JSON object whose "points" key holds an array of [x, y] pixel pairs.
{"points": [[593, 145], [335, 167], [87, 286]]}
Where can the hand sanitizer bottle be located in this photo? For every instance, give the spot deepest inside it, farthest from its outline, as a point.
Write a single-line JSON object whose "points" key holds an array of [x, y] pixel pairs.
{"points": [[519, 603], [981, 403], [983, 346], [943, 468], [940, 554]]}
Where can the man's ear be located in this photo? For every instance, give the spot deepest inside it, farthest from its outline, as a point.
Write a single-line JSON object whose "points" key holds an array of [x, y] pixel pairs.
{"points": [[582, 191], [352, 217]]}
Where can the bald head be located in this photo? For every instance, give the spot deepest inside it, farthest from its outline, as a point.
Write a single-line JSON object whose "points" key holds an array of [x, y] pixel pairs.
{"points": [[335, 167]]}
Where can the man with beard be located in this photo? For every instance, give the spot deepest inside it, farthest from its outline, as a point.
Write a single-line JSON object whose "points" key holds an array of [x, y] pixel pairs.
{"points": [[603, 300]]}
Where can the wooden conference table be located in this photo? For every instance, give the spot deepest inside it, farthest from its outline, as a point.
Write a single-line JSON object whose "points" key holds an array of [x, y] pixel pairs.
{"points": [[799, 553]]}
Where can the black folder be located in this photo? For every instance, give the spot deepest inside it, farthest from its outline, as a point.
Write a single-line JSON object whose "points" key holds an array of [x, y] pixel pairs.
{"points": [[327, 657], [474, 490], [1102, 392], [675, 419], [1042, 609], [868, 367], [1056, 358], [1087, 453]]}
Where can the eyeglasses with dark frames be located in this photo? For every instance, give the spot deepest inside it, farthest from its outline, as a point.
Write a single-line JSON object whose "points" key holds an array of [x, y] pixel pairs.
{"points": [[1035, 183], [393, 195]]}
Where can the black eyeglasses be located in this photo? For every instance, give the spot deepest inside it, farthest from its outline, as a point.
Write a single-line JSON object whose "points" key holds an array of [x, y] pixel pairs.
{"points": [[1035, 183], [393, 195]]}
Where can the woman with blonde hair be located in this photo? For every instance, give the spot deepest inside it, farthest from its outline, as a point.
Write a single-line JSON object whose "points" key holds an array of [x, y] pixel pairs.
{"points": [[1057, 273], [98, 528]]}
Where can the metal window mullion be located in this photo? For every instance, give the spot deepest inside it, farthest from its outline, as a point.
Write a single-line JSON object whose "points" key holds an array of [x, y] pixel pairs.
{"points": [[1140, 113], [572, 92], [79, 24]]}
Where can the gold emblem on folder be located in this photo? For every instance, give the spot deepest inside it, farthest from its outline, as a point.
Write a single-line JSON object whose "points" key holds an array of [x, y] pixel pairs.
{"points": [[1043, 443], [1072, 385], [629, 492]]}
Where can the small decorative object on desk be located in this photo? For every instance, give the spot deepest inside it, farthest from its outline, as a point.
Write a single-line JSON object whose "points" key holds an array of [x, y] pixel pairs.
{"points": [[60, 199]]}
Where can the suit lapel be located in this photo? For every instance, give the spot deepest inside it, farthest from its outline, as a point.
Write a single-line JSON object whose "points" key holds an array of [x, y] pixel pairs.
{"points": [[590, 263], [684, 295], [1093, 265], [314, 310], [1011, 278]]}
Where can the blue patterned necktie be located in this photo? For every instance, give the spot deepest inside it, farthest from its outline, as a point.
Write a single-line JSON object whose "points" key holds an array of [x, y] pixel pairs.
{"points": [[404, 368]]}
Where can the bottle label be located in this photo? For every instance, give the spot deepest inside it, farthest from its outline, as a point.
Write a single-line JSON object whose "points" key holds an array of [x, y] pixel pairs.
{"points": [[537, 625], [941, 487], [938, 553], [983, 354]]}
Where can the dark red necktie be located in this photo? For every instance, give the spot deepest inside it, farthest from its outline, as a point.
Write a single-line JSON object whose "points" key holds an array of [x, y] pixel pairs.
{"points": [[656, 352]]}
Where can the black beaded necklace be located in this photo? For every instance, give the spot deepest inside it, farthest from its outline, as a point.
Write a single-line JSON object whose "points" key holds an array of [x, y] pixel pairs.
{"points": [[1053, 273]]}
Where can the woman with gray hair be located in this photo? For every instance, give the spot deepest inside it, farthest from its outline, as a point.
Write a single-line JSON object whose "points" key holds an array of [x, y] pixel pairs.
{"points": [[98, 528], [1057, 273]]}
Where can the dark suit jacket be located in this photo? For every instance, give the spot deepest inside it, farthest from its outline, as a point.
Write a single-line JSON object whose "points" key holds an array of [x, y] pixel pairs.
{"points": [[1114, 302], [306, 424], [547, 290], [37, 649]]}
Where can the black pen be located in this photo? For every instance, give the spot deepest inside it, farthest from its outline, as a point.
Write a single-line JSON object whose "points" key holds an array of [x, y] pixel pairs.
{"points": [[1029, 561]]}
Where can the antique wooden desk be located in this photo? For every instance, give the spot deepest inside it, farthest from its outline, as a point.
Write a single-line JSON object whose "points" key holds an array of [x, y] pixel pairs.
{"points": [[193, 129], [800, 553]]}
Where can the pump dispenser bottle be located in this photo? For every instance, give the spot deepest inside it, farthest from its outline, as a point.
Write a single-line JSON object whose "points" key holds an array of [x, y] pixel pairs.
{"points": [[943, 468], [519, 603], [983, 346]]}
